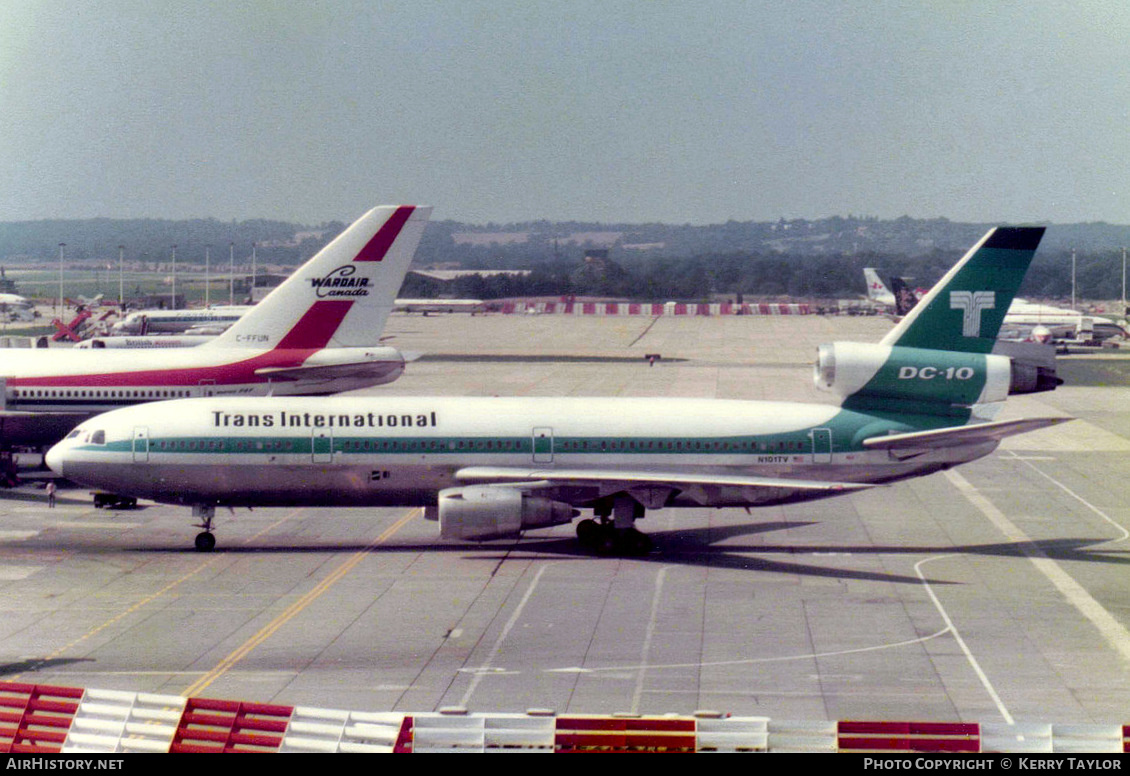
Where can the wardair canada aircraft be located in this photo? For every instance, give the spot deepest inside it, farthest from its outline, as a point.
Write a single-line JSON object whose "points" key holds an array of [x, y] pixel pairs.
{"points": [[317, 333], [921, 400]]}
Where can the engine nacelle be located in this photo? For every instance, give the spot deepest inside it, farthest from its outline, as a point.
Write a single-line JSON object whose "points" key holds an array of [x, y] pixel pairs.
{"points": [[1033, 365], [919, 375], [480, 512]]}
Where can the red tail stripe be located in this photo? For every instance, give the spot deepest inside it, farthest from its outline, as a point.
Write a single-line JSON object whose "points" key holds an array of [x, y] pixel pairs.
{"points": [[377, 247], [314, 329]]}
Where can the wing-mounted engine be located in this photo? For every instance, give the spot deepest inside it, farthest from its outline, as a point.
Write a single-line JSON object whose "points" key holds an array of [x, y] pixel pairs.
{"points": [[481, 512], [926, 380]]}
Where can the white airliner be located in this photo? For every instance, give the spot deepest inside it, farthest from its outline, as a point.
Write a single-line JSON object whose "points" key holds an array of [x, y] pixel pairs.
{"points": [[919, 401], [1056, 324], [17, 308], [440, 306], [195, 327], [316, 333], [144, 322], [189, 328]]}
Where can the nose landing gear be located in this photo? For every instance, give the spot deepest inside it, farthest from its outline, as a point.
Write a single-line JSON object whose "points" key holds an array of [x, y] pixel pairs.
{"points": [[205, 540]]}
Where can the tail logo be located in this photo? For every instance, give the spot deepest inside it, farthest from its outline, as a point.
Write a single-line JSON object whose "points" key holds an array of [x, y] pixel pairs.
{"points": [[338, 283], [972, 303]]}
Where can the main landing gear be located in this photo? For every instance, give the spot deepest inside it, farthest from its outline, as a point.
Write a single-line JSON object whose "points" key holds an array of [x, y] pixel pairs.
{"points": [[205, 540], [613, 531]]}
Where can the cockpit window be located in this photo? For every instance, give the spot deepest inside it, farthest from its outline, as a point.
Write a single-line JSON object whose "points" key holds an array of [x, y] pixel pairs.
{"points": [[98, 437], [74, 433]]}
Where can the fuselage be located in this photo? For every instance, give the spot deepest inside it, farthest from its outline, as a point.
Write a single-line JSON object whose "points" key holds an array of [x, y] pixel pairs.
{"points": [[97, 380], [176, 321], [404, 450]]}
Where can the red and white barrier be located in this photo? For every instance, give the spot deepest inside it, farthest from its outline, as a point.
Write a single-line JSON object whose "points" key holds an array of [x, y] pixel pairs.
{"points": [[48, 719], [652, 309]]}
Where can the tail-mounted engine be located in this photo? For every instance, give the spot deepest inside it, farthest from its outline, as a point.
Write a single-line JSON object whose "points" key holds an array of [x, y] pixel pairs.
{"points": [[927, 378], [1033, 365], [481, 512]]}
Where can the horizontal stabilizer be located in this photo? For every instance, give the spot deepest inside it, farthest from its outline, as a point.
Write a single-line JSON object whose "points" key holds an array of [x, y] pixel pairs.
{"points": [[960, 435], [642, 477], [361, 370]]}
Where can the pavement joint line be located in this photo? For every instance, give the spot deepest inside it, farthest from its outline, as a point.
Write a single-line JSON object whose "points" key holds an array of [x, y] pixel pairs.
{"points": [[294, 609], [148, 599]]}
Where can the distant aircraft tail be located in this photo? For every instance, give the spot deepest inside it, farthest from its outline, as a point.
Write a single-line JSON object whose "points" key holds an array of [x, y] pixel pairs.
{"points": [[341, 297], [877, 291], [905, 298], [938, 361]]}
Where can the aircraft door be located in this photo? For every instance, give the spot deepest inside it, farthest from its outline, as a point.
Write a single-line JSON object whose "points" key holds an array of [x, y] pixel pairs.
{"points": [[141, 444], [543, 444], [322, 445], [821, 445], [208, 387]]}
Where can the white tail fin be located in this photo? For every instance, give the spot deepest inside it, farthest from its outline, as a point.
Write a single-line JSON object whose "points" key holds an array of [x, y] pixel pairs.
{"points": [[877, 290], [342, 296]]}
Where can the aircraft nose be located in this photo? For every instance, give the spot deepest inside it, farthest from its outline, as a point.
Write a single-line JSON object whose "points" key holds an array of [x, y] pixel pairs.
{"points": [[54, 459]]}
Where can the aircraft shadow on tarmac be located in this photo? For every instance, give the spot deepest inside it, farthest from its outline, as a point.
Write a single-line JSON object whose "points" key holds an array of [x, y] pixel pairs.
{"points": [[700, 547], [32, 665]]}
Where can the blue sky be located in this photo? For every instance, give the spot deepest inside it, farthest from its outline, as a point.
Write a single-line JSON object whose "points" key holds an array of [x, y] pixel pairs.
{"points": [[603, 111]]}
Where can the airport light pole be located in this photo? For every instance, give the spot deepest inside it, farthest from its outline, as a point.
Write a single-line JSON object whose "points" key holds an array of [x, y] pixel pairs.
{"points": [[173, 303], [254, 273], [121, 278], [207, 279], [1072, 278], [60, 307]]}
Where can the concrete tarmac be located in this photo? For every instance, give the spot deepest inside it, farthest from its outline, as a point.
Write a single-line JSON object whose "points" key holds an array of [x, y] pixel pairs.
{"points": [[993, 592]]}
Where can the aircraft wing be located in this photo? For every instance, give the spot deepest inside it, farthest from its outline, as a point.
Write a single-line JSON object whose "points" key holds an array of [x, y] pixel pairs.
{"points": [[556, 477], [959, 435]]}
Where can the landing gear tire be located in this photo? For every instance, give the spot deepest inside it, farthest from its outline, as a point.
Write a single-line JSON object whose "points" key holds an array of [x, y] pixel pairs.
{"points": [[635, 543], [606, 540], [205, 541], [588, 532]]}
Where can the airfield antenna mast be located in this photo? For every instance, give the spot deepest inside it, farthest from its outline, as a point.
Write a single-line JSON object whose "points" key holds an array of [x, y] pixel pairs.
{"points": [[231, 275], [121, 279], [207, 279]]}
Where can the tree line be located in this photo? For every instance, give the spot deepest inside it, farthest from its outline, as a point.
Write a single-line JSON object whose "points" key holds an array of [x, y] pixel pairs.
{"points": [[757, 275]]}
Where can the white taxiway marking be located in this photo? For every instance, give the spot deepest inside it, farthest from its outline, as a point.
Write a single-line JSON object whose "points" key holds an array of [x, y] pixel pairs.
{"points": [[1116, 635], [487, 669], [655, 599], [951, 628], [13, 573]]}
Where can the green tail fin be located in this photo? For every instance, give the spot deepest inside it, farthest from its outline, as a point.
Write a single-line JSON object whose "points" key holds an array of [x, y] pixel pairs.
{"points": [[964, 311]]}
